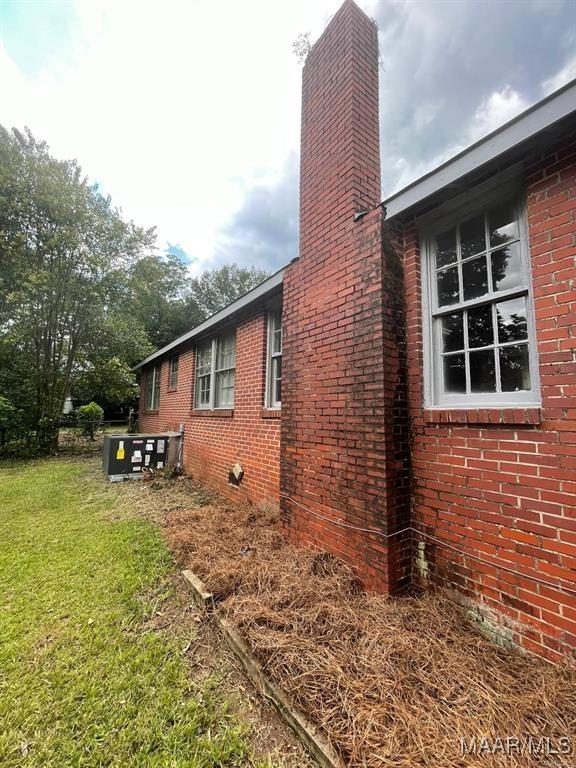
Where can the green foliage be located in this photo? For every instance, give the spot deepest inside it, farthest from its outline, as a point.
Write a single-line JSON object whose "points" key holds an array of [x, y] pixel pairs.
{"points": [[10, 421], [62, 247], [7, 412], [89, 419], [215, 289], [302, 46], [87, 679], [83, 293], [155, 290], [109, 379]]}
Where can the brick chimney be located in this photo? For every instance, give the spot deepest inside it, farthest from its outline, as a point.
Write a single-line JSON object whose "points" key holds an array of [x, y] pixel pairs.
{"points": [[344, 473], [340, 147]]}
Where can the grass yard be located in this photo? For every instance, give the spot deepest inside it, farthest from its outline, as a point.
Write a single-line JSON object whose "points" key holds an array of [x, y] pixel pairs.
{"points": [[85, 678]]}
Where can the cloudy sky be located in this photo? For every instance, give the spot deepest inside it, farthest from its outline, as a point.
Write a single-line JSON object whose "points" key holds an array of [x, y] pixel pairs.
{"points": [[187, 113]]}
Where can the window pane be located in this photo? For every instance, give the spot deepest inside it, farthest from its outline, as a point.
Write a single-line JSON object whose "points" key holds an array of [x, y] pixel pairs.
{"points": [[472, 236], [149, 388], [512, 325], [226, 352], [452, 332], [204, 390], [224, 395], [156, 398], [474, 278], [506, 267], [454, 374], [482, 375], [277, 342], [204, 359], [480, 328], [277, 379], [448, 286], [446, 248], [514, 368], [174, 373], [502, 224]]}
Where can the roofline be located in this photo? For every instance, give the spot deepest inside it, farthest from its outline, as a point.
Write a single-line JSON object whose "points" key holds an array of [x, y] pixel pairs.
{"points": [[539, 116], [261, 290]]}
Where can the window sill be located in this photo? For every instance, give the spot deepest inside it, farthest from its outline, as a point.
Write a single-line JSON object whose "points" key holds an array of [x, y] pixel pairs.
{"points": [[172, 389], [531, 415], [271, 413], [218, 413], [151, 411]]}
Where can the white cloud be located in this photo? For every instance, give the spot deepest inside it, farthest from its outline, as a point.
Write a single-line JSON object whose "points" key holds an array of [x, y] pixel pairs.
{"points": [[176, 109], [500, 107], [567, 73], [188, 113]]}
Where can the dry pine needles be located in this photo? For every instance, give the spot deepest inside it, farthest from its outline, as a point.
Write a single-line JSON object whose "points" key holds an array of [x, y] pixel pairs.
{"points": [[392, 682]]}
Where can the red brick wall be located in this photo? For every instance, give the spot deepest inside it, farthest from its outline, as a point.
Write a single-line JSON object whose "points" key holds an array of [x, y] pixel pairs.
{"points": [[498, 500], [340, 485], [482, 502], [215, 440]]}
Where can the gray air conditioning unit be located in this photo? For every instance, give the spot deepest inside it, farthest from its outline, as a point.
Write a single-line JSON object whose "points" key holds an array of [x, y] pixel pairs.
{"points": [[130, 456]]}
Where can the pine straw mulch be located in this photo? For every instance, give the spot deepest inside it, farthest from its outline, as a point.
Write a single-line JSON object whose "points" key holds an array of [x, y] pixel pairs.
{"points": [[392, 682]]}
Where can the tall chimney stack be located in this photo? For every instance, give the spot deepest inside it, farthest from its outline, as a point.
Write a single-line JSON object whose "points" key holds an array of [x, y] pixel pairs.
{"points": [[337, 474]]}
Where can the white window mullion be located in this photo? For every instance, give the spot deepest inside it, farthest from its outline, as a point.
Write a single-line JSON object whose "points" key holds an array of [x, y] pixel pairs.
{"points": [[496, 348], [466, 350]]}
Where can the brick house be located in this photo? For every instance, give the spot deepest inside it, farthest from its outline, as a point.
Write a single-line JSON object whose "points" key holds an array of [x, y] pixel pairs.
{"points": [[425, 429]]}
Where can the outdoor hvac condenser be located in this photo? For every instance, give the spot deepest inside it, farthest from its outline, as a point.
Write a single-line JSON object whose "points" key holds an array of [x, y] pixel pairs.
{"points": [[129, 456]]}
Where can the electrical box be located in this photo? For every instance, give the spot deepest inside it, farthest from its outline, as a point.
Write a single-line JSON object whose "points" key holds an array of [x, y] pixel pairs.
{"points": [[129, 456]]}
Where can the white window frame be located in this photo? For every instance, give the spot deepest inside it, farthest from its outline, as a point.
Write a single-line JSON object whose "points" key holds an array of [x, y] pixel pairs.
{"points": [[434, 396], [171, 385], [212, 345], [269, 397], [154, 390]]}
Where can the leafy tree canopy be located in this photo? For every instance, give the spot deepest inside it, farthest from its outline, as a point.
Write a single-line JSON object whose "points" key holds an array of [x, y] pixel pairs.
{"points": [[84, 294], [216, 288], [61, 246]]}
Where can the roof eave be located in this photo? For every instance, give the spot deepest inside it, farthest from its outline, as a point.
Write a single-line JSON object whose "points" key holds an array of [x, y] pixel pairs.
{"points": [[546, 113], [256, 294]]}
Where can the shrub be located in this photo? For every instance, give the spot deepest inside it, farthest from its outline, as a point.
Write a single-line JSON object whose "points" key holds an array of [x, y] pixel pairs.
{"points": [[8, 419], [89, 419]]}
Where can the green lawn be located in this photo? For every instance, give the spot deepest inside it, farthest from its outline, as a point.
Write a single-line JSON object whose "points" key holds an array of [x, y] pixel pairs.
{"points": [[82, 681]]}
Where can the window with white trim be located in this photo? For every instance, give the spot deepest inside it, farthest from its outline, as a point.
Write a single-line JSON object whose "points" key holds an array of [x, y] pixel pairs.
{"points": [[173, 376], [480, 328], [152, 394], [274, 360], [215, 373]]}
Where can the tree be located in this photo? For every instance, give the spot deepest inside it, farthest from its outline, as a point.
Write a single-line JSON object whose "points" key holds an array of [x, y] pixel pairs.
{"points": [[215, 289], [154, 292], [8, 418], [62, 247], [109, 380], [83, 294]]}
